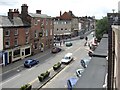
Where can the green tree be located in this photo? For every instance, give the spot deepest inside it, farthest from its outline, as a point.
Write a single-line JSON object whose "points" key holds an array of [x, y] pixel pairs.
{"points": [[101, 27]]}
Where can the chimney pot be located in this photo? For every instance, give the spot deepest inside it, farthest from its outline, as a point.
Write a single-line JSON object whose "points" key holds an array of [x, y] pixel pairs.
{"points": [[38, 11]]}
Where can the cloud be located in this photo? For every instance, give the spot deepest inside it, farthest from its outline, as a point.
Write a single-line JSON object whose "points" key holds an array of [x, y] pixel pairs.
{"points": [[8, 2]]}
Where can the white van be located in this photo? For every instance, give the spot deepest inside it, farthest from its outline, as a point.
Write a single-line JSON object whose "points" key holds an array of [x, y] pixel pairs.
{"points": [[67, 58]]}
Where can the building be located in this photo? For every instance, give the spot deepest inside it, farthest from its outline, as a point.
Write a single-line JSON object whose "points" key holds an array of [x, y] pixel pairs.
{"points": [[66, 25], [41, 30], [24, 34], [116, 56], [113, 51]]}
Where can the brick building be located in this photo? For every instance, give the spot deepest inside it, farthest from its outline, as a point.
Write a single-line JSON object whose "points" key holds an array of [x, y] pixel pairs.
{"points": [[24, 34]]}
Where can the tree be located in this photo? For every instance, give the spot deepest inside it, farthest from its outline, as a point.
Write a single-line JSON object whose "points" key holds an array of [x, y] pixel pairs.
{"points": [[101, 27]]}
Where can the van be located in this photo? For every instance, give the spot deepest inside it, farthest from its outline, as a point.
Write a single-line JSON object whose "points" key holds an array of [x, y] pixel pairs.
{"points": [[67, 58]]}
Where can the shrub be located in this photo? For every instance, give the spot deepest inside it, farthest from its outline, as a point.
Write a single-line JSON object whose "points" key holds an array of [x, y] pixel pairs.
{"points": [[43, 76], [56, 66], [26, 87]]}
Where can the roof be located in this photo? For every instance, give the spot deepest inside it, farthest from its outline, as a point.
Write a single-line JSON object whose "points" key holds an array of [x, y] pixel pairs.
{"points": [[39, 15], [102, 48], [93, 75], [15, 22]]}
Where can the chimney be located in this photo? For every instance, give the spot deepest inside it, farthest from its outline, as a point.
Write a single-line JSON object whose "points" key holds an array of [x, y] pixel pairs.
{"points": [[70, 12], [10, 14], [24, 9], [38, 11], [15, 13], [60, 13]]}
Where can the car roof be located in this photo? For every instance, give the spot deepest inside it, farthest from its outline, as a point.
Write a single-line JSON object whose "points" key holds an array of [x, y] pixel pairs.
{"points": [[68, 54], [73, 80]]}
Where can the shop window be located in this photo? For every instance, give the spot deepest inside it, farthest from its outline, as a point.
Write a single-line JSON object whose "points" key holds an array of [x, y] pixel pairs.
{"points": [[16, 53], [27, 51]]}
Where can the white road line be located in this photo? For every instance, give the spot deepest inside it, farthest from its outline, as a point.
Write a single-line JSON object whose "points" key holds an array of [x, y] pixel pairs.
{"points": [[11, 79]]}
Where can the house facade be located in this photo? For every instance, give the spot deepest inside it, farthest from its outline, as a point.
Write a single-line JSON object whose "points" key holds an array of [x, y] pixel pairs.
{"points": [[24, 34], [66, 25]]}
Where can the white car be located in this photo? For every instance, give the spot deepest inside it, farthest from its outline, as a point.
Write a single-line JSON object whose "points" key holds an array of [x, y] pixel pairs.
{"points": [[79, 72], [67, 58]]}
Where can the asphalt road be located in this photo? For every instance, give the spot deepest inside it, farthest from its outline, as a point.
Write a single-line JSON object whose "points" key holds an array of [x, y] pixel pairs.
{"points": [[21, 76], [60, 81]]}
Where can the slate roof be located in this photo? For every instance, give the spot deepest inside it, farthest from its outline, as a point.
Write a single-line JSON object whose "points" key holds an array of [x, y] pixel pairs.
{"points": [[94, 74], [15, 22], [102, 48], [39, 15]]}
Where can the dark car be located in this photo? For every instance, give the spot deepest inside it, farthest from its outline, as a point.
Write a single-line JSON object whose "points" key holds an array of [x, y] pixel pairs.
{"points": [[30, 62], [55, 50], [71, 82], [82, 37], [68, 44]]}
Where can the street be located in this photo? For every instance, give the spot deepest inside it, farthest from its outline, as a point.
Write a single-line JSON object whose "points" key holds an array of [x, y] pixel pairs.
{"points": [[15, 79]]}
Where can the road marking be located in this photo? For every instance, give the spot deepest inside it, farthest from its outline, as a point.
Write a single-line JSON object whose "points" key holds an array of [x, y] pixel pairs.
{"points": [[33, 81], [11, 79]]}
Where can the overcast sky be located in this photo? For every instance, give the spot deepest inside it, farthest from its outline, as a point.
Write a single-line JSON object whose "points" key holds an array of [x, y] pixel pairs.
{"points": [[97, 8]]}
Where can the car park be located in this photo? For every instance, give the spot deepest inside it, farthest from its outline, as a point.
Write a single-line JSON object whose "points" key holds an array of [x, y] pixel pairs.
{"points": [[55, 50], [79, 72], [84, 62], [68, 44], [30, 62], [67, 58]]}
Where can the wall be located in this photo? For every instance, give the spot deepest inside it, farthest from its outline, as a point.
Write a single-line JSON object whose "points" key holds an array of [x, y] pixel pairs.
{"points": [[1, 39]]}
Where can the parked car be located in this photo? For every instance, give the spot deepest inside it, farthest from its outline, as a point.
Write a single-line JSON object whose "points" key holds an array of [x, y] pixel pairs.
{"points": [[67, 58], [30, 62], [55, 50], [68, 44], [79, 72], [81, 36], [85, 62], [71, 82]]}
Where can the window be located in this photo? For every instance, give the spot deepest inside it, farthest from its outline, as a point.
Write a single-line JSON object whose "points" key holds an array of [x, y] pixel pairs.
{"points": [[27, 39], [16, 53], [46, 22], [7, 43], [35, 33], [65, 28], [51, 23], [61, 28], [27, 51], [26, 31], [16, 42], [46, 32], [50, 31], [36, 45], [57, 29], [16, 32], [35, 21], [7, 33]]}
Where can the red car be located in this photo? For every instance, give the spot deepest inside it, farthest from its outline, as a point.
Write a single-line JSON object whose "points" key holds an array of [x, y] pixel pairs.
{"points": [[55, 50]]}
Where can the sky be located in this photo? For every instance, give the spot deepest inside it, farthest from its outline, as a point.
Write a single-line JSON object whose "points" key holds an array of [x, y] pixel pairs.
{"points": [[97, 8]]}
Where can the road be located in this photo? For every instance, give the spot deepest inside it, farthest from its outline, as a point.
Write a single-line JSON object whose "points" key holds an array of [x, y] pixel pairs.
{"points": [[23, 75]]}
